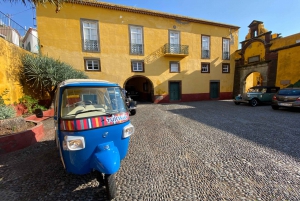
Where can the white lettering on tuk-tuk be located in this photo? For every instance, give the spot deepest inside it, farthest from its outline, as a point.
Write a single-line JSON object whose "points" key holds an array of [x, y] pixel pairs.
{"points": [[116, 119]]}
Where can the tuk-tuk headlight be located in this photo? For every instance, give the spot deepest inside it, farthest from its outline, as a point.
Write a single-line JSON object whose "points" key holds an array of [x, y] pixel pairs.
{"points": [[128, 130], [73, 143]]}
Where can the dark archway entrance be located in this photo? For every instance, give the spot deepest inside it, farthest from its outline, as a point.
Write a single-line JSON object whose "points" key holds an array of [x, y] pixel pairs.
{"points": [[140, 88]]}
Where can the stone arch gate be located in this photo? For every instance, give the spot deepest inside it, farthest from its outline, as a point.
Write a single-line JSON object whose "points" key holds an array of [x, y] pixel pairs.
{"points": [[242, 72]]}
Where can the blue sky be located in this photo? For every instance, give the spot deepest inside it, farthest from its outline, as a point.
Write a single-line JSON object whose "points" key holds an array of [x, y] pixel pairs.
{"points": [[278, 16]]}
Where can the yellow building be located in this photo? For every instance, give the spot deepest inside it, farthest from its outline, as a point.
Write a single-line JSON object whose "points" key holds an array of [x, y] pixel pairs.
{"points": [[266, 59], [164, 57]]}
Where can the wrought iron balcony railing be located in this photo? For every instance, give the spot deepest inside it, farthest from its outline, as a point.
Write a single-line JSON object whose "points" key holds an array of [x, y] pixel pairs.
{"points": [[226, 55], [91, 45], [136, 48], [205, 54], [176, 49]]}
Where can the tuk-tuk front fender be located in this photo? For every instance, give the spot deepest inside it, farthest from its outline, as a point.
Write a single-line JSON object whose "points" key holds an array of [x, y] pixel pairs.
{"points": [[106, 159]]}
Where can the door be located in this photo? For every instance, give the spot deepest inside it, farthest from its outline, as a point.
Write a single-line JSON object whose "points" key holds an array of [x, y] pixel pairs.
{"points": [[174, 42], [174, 91], [214, 90]]}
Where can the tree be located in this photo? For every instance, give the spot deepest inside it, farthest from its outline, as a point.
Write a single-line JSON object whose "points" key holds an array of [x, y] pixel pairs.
{"points": [[44, 73]]}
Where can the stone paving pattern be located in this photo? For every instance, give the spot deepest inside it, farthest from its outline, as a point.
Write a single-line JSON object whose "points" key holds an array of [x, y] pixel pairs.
{"points": [[208, 150]]}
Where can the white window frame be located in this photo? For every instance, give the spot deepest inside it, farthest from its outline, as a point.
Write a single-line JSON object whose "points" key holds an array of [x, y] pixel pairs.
{"points": [[174, 42], [225, 68], [205, 46], [93, 62], [174, 67], [136, 40], [90, 35], [205, 67], [137, 66], [226, 49]]}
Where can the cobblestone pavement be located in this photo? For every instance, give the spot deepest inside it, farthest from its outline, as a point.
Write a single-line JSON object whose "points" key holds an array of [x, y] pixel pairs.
{"points": [[208, 150]]}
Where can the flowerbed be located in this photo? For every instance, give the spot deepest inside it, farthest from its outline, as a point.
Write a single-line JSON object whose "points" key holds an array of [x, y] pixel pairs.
{"points": [[22, 136]]}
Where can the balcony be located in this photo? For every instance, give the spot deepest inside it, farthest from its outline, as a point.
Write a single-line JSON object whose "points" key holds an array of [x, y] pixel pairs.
{"points": [[91, 45], [176, 50], [226, 56], [136, 49]]}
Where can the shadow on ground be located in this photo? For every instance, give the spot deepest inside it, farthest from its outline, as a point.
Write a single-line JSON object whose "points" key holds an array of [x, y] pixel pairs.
{"points": [[276, 129]]}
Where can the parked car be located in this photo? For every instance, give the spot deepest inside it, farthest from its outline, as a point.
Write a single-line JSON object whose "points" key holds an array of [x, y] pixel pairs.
{"points": [[287, 97], [257, 95]]}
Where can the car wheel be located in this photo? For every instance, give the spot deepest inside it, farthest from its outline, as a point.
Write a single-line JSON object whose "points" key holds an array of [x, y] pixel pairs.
{"points": [[237, 103], [274, 107], [253, 102]]}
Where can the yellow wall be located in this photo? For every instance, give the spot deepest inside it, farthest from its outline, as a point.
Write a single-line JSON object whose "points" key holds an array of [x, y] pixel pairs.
{"points": [[286, 41], [288, 66], [255, 49], [252, 79], [60, 36], [288, 59], [10, 64]]}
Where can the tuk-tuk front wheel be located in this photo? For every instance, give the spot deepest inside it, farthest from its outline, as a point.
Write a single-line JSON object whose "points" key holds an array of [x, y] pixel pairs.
{"points": [[110, 184]]}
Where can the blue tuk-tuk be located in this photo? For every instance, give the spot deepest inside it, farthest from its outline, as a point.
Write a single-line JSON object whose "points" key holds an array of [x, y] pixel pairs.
{"points": [[92, 128]]}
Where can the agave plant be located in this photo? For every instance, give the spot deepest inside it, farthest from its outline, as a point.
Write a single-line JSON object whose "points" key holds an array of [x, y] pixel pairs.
{"points": [[44, 73]]}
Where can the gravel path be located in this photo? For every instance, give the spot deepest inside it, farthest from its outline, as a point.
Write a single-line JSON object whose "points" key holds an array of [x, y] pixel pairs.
{"points": [[208, 150]]}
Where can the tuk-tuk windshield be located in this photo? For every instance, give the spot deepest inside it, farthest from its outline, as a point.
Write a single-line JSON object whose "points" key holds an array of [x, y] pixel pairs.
{"points": [[82, 102]]}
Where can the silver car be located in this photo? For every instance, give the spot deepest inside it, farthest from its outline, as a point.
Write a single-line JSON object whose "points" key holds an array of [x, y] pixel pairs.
{"points": [[287, 97]]}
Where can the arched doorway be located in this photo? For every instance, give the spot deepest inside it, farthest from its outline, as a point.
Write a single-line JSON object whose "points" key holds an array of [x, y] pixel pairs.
{"points": [[253, 79], [140, 88]]}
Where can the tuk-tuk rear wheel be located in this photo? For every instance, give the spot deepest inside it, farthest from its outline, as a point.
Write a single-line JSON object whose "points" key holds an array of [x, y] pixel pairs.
{"points": [[110, 184]]}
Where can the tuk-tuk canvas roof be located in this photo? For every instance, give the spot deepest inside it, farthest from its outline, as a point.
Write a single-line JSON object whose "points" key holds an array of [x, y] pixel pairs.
{"points": [[85, 81]]}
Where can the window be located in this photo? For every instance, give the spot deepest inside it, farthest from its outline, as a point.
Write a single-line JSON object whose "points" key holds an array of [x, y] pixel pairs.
{"points": [[92, 64], [174, 67], [174, 39], [205, 47], [90, 35], [205, 67], [28, 46], [136, 40], [225, 68], [226, 51], [137, 66]]}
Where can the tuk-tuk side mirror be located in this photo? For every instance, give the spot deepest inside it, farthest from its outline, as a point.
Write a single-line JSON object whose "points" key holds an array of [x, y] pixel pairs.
{"points": [[38, 113]]}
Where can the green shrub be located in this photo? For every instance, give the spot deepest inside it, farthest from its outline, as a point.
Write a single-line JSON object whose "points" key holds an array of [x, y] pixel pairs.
{"points": [[7, 112], [5, 92], [30, 103]]}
